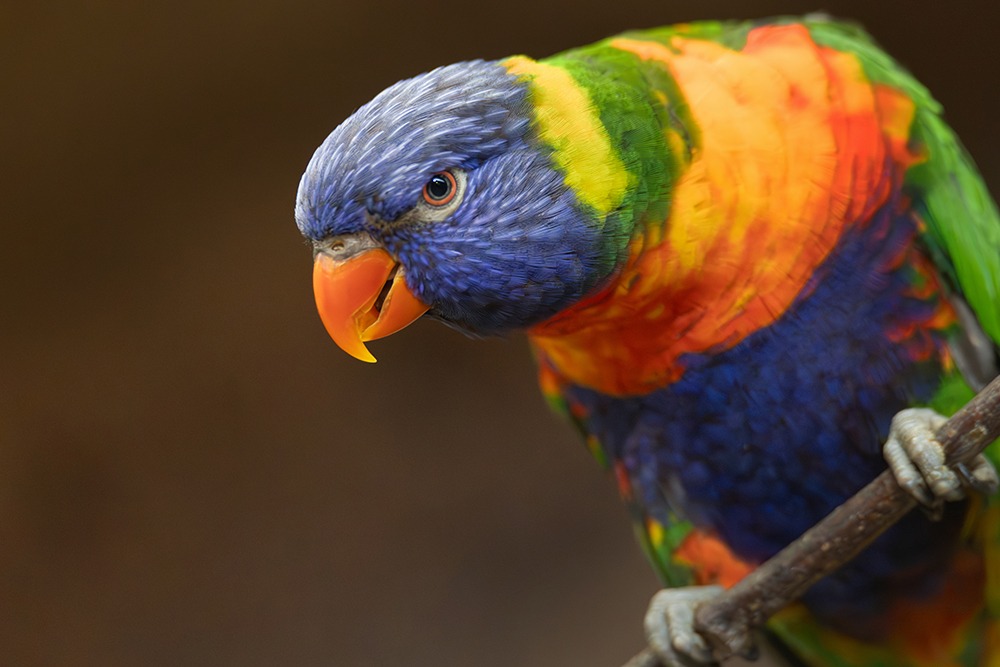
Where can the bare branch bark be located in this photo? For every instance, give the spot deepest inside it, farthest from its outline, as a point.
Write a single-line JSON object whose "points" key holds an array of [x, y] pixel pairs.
{"points": [[836, 539]]}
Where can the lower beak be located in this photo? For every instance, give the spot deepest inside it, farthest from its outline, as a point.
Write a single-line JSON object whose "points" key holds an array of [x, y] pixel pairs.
{"points": [[363, 298]]}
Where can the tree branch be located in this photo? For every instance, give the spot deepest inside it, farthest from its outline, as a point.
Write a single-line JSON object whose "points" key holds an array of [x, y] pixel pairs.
{"points": [[836, 539]]}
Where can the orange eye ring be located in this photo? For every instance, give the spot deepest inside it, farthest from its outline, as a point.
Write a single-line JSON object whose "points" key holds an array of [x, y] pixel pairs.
{"points": [[441, 189]]}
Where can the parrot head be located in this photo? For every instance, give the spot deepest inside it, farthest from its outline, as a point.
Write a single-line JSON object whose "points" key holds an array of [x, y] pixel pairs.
{"points": [[438, 197]]}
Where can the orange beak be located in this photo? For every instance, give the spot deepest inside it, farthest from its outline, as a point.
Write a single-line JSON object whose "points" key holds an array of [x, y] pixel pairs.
{"points": [[363, 298]]}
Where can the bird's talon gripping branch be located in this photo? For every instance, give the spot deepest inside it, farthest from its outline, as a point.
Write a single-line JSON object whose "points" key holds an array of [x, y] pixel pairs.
{"points": [[980, 476], [917, 460], [669, 624]]}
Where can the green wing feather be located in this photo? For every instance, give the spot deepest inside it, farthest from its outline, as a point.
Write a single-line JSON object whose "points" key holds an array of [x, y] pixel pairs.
{"points": [[963, 224], [963, 238]]}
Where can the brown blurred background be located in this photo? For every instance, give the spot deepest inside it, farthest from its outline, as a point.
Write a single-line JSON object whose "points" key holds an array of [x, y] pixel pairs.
{"points": [[191, 473]]}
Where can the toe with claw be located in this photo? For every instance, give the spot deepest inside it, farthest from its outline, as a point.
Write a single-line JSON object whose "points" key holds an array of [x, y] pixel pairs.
{"points": [[917, 460], [670, 627]]}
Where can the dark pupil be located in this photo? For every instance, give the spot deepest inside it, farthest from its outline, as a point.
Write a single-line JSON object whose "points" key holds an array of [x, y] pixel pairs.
{"points": [[438, 187]]}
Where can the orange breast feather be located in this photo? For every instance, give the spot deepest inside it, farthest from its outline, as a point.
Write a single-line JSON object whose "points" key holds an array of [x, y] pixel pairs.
{"points": [[795, 146]]}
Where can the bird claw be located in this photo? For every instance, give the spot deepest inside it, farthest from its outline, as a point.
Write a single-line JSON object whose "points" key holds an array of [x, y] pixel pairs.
{"points": [[917, 460], [670, 627]]}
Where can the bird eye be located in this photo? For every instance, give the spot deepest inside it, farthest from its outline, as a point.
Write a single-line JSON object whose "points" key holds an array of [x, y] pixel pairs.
{"points": [[440, 189]]}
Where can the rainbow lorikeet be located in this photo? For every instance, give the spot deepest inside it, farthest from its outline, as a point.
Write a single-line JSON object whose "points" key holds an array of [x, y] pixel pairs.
{"points": [[738, 250]]}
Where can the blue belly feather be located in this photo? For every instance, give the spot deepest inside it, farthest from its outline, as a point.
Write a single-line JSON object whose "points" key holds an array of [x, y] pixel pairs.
{"points": [[758, 442]]}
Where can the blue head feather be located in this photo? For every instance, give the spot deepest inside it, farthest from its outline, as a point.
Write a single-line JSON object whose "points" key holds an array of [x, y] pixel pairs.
{"points": [[516, 250]]}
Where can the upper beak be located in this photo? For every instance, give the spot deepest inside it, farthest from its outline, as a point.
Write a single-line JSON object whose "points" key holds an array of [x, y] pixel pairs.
{"points": [[362, 298]]}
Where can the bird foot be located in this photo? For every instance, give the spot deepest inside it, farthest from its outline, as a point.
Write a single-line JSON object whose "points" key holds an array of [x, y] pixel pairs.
{"points": [[917, 460], [670, 628]]}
